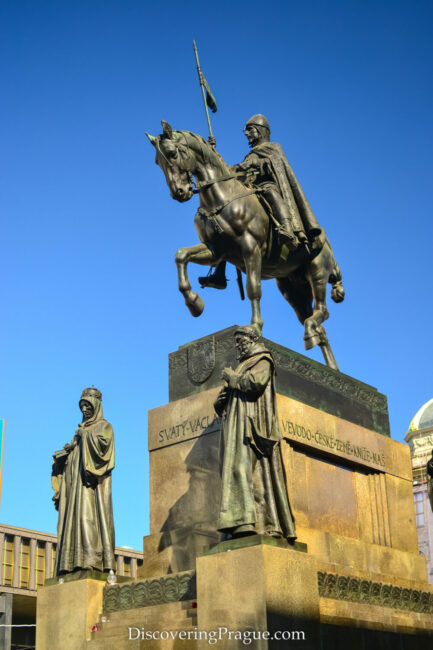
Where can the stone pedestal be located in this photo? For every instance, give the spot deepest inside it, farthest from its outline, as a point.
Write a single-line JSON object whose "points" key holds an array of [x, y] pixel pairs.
{"points": [[354, 579], [259, 588]]}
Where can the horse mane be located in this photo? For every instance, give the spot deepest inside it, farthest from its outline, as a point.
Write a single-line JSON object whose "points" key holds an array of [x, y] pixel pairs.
{"points": [[200, 146]]}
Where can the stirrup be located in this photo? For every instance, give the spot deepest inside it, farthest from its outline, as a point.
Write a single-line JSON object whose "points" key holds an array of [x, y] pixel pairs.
{"points": [[213, 281]]}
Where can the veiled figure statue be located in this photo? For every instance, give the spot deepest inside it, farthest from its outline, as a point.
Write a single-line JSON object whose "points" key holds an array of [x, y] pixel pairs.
{"points": [[81, 481], [254, 495]]}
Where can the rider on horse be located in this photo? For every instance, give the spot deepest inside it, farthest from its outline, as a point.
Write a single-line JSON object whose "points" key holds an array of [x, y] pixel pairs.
{"points": [[276, 182]]}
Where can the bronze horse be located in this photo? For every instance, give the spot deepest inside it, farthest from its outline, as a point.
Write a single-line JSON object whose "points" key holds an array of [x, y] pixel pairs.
{"points": [[233, 225]]}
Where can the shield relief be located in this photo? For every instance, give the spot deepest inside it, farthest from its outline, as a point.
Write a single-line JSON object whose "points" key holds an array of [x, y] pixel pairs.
{"points": [[201, 360]]}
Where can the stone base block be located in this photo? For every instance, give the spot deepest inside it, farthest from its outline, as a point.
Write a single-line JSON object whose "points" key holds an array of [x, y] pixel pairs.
{"points": [[262, 588], [174, 550], [66, 613]]}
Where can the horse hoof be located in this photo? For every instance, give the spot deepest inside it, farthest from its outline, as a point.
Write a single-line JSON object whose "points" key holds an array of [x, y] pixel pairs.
{"points": [[257, 327], [311, 341], [195, 305]]}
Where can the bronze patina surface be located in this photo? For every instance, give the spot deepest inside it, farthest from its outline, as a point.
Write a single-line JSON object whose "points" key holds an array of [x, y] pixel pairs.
{"points": [[430, 480], [81, 480], [297, 376], [255, 216], [254, 496]]}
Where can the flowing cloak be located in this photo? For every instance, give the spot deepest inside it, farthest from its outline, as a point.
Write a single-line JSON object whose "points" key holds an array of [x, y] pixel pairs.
{"points": [[275, 167], [85, 530], [253, 485], [430, 481]]}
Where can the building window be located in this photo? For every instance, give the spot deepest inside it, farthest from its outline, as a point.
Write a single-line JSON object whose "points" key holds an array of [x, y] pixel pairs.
{"points": [[419, 474], [127, 566], [24, 563], [40, 564], [53, 560], [419, 509], [8, 561]]}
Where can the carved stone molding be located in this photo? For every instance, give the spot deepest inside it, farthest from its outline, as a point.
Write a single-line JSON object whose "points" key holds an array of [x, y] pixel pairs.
{"points": [[358, 590], [334, 380], [144, 593]]}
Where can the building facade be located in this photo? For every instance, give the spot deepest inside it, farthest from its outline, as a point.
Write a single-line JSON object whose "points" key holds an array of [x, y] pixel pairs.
{"points": [[27, 559], [420, 439]]}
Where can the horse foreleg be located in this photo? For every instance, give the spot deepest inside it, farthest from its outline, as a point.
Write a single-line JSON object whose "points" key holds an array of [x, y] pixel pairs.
{"points": [[253, 268], [199, 254]]}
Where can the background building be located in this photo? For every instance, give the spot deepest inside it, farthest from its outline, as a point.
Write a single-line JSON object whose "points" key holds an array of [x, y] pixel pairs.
{"points": [[27, 559], [420, 439]]}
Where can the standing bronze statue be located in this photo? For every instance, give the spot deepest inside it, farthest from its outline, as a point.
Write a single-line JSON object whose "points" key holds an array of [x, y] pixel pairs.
{"points": [[81, 480], [254, 495], [235, 225], [430, 479]]}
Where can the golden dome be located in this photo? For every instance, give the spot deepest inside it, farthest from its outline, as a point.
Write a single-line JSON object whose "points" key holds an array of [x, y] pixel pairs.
{"points": [[423, 418]]}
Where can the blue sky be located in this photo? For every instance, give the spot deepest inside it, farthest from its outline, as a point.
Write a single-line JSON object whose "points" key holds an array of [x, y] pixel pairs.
{"points": [[88, 231]]}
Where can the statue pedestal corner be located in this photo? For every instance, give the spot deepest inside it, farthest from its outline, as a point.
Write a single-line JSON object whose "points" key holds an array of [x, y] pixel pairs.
{"points": [[264, 587], [66, 613]]}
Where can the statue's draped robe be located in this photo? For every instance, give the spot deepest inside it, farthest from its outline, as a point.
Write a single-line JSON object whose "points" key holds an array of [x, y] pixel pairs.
{"points": [[276, 170], [430, 481], [85, 530], [253, 485]]}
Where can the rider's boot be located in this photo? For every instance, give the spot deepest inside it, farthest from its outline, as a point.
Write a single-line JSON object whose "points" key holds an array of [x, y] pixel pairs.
{"points": [[281, 214], [215, 280], [286, 235], [303, 240]]}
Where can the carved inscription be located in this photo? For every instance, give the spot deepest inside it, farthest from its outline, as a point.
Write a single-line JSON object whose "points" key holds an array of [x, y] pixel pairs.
{"points": [[336, 445], [189, 428]]}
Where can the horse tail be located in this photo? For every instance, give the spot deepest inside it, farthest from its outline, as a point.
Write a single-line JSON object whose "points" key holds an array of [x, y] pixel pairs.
{"points": [[336, 279]]}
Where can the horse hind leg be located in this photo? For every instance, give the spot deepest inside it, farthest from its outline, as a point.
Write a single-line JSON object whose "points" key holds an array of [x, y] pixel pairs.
{"points": [[298, 294], [315, 333], [328, 355]]}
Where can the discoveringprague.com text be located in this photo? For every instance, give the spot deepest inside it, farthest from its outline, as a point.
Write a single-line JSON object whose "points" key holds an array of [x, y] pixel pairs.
{"points": [[213, 636]]}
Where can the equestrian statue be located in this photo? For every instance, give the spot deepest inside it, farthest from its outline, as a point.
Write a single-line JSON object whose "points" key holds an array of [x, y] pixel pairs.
{"points": [[255, 216]]}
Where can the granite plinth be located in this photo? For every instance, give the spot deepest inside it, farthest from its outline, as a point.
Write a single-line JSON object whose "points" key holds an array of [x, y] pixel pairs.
{"points": [[197, 366], [82, 574], [255, 540], [354, 578], [66, 612]]}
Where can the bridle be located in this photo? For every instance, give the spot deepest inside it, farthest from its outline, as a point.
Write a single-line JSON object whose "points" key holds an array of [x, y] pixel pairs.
{"points": [[199, 187]]}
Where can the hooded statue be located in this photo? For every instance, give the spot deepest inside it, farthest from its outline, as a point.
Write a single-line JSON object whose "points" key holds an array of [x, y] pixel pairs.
{"points": [[254, 496], [81, 481]]}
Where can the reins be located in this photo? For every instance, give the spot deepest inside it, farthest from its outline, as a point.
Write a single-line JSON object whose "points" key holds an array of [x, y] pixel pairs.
{"points": [[212, 214], [206, 184], [202, 186]]}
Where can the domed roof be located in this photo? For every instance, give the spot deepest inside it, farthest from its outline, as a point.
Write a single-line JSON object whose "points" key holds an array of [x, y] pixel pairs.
{"points": [[423, 418]]}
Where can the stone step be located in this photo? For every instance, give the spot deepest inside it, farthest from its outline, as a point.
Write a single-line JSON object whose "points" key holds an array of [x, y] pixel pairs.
{"points": [[114, 633]]}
